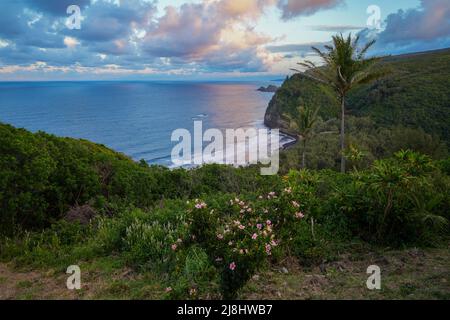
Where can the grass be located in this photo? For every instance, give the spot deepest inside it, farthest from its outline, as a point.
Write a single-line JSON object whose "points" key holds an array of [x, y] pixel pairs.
{"points": [[405, 274]]}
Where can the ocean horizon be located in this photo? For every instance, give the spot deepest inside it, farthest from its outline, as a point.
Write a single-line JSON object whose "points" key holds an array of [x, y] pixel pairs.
{"points": [[134, 117]]}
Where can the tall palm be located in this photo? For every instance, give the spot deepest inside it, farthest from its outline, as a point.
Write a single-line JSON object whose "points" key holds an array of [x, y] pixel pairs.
{"points": [[303, 123], [344, 67]]}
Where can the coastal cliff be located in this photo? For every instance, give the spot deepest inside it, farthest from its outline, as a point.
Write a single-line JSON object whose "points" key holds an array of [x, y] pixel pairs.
{"points": [[296, 91]]}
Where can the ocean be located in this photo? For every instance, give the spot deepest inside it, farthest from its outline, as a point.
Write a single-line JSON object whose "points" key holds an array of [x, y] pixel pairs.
{"points": [[135, 118]]}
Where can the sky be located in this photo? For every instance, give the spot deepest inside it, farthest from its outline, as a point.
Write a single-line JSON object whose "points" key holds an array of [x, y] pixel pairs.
{"points": [[200, 39]]}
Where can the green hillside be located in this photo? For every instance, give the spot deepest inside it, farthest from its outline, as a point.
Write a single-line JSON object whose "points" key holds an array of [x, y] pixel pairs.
{"points": [[42, 176], [201, 233], [415, 94]]}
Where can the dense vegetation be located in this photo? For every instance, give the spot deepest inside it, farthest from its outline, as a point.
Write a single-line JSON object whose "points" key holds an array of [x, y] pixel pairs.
{"points": [[204, 232], [42, 176], [344, 67], [414, 94]]}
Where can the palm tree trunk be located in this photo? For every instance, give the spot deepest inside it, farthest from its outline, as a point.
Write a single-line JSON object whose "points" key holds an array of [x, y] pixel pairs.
{"points": [[342, 133], [304, 154]]}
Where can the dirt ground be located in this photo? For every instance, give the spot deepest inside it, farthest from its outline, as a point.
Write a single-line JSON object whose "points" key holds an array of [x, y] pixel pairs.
{"points": [[408, 274], [32, 284]]}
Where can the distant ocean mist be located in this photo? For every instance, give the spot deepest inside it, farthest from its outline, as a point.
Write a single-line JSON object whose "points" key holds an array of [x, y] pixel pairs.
{"points": [[135, 118]]}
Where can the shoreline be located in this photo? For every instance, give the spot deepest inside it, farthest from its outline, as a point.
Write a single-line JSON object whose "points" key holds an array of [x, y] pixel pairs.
{"points": [[290, 144], [286, 141]]}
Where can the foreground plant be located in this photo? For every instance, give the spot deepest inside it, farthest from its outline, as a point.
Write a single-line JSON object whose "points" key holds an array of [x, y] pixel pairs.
{"points": [[243, 236]]}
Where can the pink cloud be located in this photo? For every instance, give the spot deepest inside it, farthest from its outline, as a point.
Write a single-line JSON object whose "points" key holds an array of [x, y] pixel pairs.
{"points": [[430, 21]]}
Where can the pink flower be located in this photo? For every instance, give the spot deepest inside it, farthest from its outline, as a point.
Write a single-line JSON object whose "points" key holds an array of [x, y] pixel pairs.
{"points": [[295, 204], [200, 205], [299, 215], [254, 236], [168, 289], [273, 243], [268, 249], [268, 222], [288, 190], [174, 247], [259, 226], [271, 195], [220, 236], [241, 251], [232, 266], [241, 227]]}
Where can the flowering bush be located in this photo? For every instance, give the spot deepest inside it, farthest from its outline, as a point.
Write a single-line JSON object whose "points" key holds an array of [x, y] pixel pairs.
{"points": [[240, 236]]}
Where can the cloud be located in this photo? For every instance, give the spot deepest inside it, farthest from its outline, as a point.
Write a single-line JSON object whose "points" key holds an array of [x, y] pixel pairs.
{"points": [[299, 47], [295, 8], [204, 37], [13, 20], [213, 35], [424, 28], [427, 23], [244, 8], [107, 21], [336, 28], [208, 36], [71, 42], [55, 7]]}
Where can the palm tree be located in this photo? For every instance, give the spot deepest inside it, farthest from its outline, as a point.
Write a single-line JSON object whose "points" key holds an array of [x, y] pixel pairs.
{"points": [[303, 123], [344, 67]]}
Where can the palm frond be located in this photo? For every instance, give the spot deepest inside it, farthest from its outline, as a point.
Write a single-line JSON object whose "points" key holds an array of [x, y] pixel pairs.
{"points": [[344, 65], [364, 50], [325, 57]]}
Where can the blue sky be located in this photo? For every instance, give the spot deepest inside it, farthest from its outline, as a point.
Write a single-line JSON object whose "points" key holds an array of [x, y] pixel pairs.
{"points": [[199, 39]]}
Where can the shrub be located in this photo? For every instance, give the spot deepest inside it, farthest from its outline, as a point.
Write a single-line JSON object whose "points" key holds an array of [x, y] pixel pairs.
{"points": [[384, 203], [152, 245], [194, 276], [240, 236]]}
